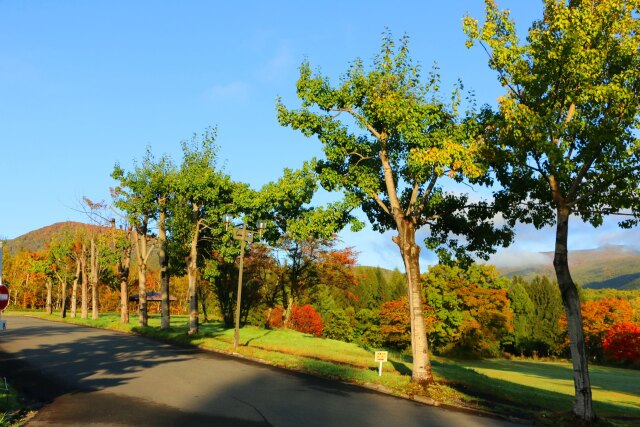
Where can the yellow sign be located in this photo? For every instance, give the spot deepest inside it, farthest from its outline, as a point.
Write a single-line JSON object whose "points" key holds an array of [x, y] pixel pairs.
{"points": [[380, 356]]}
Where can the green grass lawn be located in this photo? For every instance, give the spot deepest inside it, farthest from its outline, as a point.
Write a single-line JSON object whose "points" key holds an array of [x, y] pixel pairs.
{"points": [[534, 389]]}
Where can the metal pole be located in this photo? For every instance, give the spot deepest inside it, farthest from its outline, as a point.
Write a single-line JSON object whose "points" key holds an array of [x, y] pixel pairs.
{"points": [[236, 336]]}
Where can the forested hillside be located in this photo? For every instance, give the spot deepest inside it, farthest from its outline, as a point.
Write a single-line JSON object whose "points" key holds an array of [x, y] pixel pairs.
{"points": [[615, 267], [37, 240]]}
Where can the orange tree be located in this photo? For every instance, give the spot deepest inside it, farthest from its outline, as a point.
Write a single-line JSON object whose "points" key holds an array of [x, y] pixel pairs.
{"points": [[599, 317]]}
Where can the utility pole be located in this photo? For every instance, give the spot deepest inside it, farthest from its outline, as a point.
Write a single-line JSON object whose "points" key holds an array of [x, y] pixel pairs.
{"points": [[245, 236]]}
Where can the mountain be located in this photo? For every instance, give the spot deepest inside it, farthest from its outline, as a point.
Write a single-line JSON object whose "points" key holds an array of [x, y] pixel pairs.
{"points": [[616, 267], [38, 239]]}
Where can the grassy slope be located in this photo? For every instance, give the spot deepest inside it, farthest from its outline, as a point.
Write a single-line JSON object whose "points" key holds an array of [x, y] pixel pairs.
{"points": [[532, 389]]}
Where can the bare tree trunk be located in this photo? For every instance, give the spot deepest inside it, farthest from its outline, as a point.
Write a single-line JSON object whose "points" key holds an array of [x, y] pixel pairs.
{"points": [[421, 373], [142, 295], [123, 275], [165, 317], [63, 297], [94, 277], [192, 272], [49, 285], [85, 283], [583, 405], [203, 303], [74, 289], [142, 254], [406, 241], [287, 311], [58, 303]]}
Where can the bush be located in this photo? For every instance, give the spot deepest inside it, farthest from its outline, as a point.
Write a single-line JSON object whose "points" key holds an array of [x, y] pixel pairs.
{"points": [[306, 319], [622, 343], [337, 326], [367, 330]]}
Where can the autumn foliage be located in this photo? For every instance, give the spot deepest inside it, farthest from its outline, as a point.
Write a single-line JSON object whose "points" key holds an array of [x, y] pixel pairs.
{"points": [[275, 317], [394, 323], [622, 343], [306, 319], [599, 317]]}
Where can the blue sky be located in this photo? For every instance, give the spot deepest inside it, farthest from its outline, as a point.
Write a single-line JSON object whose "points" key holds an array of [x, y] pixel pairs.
{"points": [[84, 85]]}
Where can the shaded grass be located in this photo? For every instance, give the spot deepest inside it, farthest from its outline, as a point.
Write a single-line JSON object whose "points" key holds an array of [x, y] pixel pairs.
{"points": [[11, 409], [535, 390]]}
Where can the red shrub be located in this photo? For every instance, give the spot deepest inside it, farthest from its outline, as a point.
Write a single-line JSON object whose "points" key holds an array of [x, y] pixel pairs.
{"points": [[275, 317], [622, 343], [306, 319]]}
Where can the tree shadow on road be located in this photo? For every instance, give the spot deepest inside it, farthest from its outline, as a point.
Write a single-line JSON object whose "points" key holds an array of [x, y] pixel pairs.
{"points": [[98, 361]]}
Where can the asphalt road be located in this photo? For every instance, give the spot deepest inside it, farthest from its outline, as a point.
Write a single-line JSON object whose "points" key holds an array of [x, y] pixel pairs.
{"points": [[95, 377]]}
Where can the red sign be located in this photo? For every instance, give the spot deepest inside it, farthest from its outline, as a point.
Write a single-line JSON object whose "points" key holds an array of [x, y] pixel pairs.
{"points": [[4, 297]]}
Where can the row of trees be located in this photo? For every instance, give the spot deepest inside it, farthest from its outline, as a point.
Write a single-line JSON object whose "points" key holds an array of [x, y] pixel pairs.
{"points": [[470, 312], [561, 143]]}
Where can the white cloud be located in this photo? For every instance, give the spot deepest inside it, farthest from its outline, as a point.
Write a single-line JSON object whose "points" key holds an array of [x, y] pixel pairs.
{"points": [[518, 259]]}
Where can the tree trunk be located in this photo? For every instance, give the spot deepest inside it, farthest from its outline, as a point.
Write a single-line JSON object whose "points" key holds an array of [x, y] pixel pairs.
{"points": [[193, 295], [142, 254], [202, 297], [143, 319], [165, 317], [192, 272], [583, 406], [74, 290], [49, 285], [421, 373], [63, 297], [123, 275], [94, 278], [287, 311], [85, 283]]}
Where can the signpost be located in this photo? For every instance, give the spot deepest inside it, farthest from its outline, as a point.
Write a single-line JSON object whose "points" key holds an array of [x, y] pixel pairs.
{"points": [[380, 356]]}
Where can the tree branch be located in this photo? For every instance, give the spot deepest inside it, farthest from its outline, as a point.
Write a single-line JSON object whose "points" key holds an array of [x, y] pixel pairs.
{"points": [[581, 173], [428, 191], [371, 129], [414, 198], [381, 204]]}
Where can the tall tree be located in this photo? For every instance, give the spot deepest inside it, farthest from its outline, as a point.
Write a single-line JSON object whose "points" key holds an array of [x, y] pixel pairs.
{"points": [[202, 193], [142, 195], [122, 250], [94, 274], [396, 144], [63, 265], [76, 254], [564, 139], [84, 289]]}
